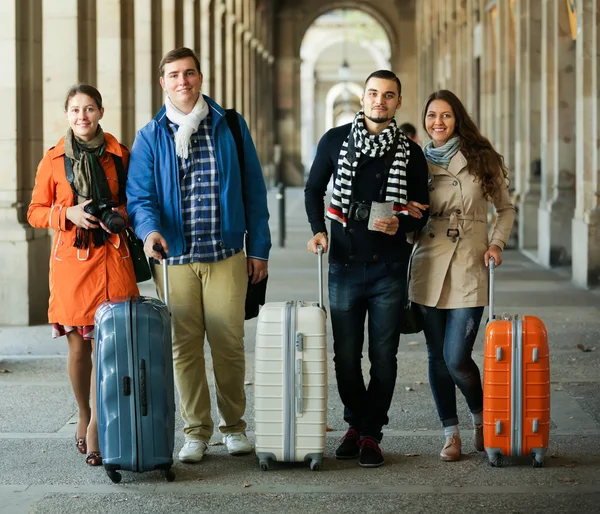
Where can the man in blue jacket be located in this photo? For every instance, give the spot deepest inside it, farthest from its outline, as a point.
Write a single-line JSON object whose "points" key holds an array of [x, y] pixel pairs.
{"points": [[184, 192]]}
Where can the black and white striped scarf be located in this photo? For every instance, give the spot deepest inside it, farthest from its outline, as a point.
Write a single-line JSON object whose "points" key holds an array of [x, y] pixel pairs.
{"points": [[360, 141]]}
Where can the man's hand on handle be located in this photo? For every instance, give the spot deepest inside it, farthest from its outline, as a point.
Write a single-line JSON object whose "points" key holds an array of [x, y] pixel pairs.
{"points": [[318, 239], [152, 239]]}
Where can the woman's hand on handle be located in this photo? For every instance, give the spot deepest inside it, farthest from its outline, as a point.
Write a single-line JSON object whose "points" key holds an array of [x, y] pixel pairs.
{"points": [[496, 252]]}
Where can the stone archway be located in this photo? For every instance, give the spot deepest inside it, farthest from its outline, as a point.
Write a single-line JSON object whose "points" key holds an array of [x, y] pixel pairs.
{"points": [[396, 17]]}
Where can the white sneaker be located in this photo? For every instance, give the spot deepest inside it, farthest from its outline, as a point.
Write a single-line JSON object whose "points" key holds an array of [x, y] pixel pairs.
{"points": [[237, 444], [192, 451]]}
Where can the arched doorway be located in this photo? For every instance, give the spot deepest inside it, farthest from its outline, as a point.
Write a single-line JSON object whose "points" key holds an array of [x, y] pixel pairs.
{"points": [[313, 40], [338, 51]]}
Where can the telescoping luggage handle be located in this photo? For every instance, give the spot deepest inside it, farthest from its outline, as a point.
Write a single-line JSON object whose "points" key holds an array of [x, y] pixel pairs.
{"points": [[492, 266], [158, 248], [320, 272]]}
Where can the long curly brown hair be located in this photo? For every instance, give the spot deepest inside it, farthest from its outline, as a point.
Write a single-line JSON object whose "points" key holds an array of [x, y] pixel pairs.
{"points": [[484, 163]]}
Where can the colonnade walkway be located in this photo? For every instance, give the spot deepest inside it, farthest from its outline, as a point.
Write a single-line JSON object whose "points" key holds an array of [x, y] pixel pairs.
{"points": [[41, 471]]}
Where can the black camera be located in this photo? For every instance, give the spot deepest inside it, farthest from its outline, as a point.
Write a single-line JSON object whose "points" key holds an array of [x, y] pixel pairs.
{"points": [[102, 210], [359, 211]]}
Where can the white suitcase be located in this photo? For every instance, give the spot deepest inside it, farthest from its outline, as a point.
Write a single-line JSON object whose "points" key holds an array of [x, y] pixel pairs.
{"points": [[290, 382]]}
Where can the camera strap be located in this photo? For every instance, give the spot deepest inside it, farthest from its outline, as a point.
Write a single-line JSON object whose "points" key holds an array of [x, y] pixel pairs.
{"points": [[121, 177]]}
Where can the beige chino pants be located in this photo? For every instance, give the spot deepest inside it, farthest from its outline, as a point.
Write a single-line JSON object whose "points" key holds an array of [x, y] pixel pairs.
{"points": [[208, 299]]}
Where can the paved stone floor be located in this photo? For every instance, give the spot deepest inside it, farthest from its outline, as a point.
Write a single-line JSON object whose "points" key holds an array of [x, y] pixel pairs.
{"points": [[41, 472]]}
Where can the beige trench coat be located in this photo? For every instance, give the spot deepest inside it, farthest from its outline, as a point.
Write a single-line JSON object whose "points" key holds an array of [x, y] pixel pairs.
{"points": [[448, 268]]}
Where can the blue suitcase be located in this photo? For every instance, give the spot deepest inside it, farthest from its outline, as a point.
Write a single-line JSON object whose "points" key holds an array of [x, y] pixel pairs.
{"points": [[135, 394]]}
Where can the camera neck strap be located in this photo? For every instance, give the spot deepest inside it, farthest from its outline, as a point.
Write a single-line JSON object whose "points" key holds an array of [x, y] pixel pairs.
{"points": [[121, 177]]}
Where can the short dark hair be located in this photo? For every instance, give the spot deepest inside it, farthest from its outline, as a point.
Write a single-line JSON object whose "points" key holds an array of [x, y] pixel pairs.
{"points": [[387, 75], [84, 89], [175, 55], [409, 129]]}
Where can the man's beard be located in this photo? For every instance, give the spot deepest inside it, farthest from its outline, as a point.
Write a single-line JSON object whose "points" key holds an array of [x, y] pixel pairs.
{"points": [[378, 120]]}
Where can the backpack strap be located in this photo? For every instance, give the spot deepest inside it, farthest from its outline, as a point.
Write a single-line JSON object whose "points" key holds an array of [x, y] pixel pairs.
{"points": [[234, 126]]}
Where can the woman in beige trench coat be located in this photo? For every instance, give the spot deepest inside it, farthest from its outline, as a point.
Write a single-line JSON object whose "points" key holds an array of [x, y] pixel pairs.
{"points": [[449, 278]]}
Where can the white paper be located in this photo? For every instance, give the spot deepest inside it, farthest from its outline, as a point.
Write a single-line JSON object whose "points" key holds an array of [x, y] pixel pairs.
{"points": [[380, 210]]}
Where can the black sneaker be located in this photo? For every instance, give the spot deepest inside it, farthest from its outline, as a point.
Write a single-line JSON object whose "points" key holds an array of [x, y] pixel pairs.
{"points": [[370, 453], [350, 446]]}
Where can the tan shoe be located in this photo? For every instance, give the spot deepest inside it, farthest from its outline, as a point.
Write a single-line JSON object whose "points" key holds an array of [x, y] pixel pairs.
{"points": [[451, 450], [478, 435]]}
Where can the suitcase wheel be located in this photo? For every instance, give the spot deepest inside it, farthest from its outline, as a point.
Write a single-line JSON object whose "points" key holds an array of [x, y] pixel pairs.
{"points": [[113, 475], [264, 464], [497, 462], [315, 465], [168, 475], [538, 461]]}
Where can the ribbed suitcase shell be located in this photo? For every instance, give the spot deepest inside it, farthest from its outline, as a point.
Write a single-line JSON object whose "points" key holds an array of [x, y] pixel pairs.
{"points": [[134, 384], [516, 389], [290, 383]]}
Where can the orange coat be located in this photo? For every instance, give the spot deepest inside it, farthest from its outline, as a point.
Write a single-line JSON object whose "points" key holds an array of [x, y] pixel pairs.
{"points": [[80, 279]]}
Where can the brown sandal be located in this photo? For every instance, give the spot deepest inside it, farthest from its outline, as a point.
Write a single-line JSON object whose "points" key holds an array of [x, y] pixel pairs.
{"points": [[81, 444], [94, 459]]}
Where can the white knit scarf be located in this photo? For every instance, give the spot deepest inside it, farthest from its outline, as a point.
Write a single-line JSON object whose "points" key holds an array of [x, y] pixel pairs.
{"points": [[360, 141], [188, 123]]}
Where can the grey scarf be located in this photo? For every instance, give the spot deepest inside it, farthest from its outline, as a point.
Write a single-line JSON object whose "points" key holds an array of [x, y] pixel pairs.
{"points": [[442, 155]]}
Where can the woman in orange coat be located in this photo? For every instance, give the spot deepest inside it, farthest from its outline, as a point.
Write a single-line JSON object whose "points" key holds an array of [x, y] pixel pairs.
{"points": [[80, 193]]}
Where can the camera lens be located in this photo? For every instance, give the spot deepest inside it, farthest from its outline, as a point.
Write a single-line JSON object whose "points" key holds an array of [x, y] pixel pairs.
{"points": [[113, 221], [362, 213]]}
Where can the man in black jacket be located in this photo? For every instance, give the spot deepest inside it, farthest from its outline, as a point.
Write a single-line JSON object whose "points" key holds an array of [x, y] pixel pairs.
{"points": [[372, 161]]}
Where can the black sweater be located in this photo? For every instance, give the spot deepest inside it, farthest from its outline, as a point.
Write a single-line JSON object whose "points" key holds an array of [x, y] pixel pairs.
{"points": [[356, 243]]}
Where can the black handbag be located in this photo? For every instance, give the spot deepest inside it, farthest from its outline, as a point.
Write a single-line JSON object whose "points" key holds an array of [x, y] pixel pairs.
{"points": [[255, 297], [141, 266], [412, 318]]}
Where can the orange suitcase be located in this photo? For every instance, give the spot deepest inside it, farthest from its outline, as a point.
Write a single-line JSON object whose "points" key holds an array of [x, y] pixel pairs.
{"points": [[516, 386]]}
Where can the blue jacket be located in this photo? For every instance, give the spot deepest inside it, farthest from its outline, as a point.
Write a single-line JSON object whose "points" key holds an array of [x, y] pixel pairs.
{"points": [[154, 191]]}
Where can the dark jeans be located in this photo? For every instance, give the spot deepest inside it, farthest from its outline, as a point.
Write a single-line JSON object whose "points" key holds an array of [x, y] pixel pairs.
{"points": [[450, 335], [355, 290]]}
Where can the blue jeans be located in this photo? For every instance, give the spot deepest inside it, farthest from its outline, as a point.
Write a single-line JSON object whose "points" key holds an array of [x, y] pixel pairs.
{"points": [[355, 290], [450, 335]]}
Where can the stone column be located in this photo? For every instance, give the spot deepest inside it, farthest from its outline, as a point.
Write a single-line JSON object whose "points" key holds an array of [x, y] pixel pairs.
{"points": [[287, 108], [109, 64], [168, 25], [469, 74], [586, 223], [488, 73], [156, 34], [239, 56], [87, 44], [527, 125], [145, 73], [247, 57], [230, 82], [558, 156], [218, 66], [23, 250], [59, 73], [128, 81], [504, 76], [206, 46], [189, 24]]}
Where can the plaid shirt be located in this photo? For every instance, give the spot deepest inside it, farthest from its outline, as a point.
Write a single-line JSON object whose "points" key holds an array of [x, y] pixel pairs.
{"points": [[199, 180]]}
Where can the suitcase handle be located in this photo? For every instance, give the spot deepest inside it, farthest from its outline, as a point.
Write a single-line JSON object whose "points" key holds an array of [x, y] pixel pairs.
{"points": [[158, 248], [492, 266], [320, 274], [143, 395]]}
